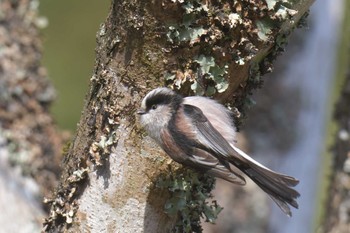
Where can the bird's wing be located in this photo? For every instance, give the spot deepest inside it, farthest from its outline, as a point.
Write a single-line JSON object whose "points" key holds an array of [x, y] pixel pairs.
{"points": [[210, 144], [278, 186], [207, 162], [207, 136]]}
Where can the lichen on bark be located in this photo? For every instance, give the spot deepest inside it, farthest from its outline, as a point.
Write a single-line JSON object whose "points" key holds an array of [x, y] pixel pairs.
{"points": [[26, 95], [112, 166]]}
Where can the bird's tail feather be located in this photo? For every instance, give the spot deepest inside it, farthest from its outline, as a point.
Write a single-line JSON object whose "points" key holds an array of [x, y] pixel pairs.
{"points": [[277, 186]]}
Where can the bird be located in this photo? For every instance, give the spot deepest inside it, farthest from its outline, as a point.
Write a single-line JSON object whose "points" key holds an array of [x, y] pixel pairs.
{"points": [[198, 132]]}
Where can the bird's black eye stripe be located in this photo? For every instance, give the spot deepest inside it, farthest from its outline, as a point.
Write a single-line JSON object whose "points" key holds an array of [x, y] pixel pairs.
{"points": [[154, 101]]}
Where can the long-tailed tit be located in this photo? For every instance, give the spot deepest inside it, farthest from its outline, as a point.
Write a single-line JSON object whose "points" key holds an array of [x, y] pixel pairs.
{"points": [[198, 132]]}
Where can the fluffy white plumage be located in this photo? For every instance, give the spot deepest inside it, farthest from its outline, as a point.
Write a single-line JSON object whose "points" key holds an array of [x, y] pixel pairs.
{"points": [[199, 132]]}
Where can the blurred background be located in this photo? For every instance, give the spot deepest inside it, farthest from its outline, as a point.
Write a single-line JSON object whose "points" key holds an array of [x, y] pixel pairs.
{"points": [[288, 128], [69, 44]]}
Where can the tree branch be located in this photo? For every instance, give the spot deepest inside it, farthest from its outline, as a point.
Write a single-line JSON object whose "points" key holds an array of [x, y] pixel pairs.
{"points": [[112, 171]]}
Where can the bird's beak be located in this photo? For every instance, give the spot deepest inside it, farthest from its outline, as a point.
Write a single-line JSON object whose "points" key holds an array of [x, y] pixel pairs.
{"points": [[141, 112]]}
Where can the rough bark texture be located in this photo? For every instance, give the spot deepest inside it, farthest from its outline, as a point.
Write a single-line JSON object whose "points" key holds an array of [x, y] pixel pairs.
{"points": [[30, 145], [337, 216], [112, 171], [337, 210]]}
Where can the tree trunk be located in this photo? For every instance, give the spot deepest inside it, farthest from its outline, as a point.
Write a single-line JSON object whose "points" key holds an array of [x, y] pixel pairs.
{"points": [[115, 178], [336, 211], [30, 145]]}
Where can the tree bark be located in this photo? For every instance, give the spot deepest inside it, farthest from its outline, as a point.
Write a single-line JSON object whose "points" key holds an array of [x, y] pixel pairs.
{"points": [[337, 208], [336, 211], [30, 145], [115, 178]]}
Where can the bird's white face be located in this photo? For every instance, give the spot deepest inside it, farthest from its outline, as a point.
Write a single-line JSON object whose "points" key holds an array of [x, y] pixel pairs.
{"points": [[154, 114]]}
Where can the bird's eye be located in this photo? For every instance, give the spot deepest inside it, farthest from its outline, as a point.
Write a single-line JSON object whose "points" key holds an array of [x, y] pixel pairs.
{"points": [[154, 106]]}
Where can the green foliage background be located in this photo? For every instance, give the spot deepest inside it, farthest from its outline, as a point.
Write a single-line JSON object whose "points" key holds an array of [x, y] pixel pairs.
{"points": [[69, 43]]}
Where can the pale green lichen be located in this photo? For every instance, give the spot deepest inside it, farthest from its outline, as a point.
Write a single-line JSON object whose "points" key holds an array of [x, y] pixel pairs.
{"points": [[102, 147], [211, 39], [264, 29], [184, 34], [208, 68], [189, 192], [78, 175], [229, 33]]}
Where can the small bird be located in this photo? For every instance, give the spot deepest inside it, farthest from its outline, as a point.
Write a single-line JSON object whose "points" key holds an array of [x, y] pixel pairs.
{"points": [[198, 132]]}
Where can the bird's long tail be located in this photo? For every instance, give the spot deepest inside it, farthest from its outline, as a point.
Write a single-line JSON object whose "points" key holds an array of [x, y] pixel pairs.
{"points": [[277, 186]]}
